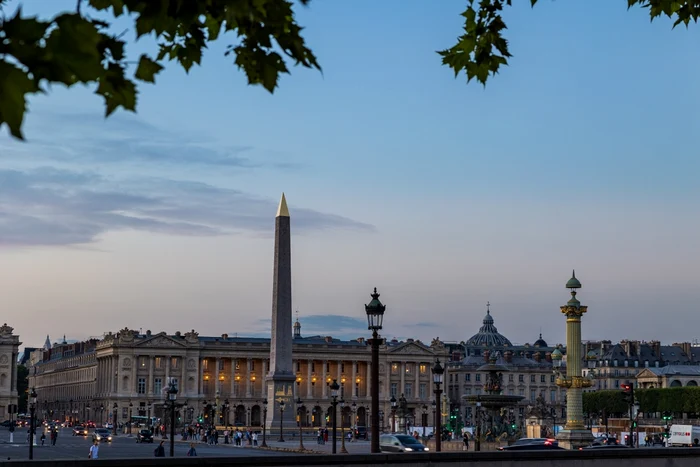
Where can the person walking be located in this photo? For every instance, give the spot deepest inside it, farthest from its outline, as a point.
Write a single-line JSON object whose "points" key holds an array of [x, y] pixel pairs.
{"points": [[192, 452], [94, 450], [160, 450], [465, 439]]}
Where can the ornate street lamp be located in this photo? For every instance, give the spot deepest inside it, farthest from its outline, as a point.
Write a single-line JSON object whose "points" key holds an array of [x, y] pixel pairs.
{"points": [[393, 413], [172, 395], [281, 440], [438, 371], [342, 427], [264, 424], [402, 412], [300, 403], [149, 405], [32, 422], [226, 412], [114, 418], [424, 420], [335, 388], [375, 316], [354, 418]]}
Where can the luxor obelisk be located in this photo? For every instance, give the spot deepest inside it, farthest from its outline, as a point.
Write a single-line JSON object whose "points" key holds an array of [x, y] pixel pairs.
{"points": [[280, 379]]}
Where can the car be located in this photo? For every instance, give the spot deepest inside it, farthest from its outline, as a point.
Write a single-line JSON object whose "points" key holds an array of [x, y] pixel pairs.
{"points": [[361, 432], [538, 444], [102, 434], [144, 436], [400, 443], [6, 423], [80, 431]]}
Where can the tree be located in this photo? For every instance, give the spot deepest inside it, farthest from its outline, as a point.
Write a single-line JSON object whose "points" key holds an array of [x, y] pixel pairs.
{"points": [[73, 48]]}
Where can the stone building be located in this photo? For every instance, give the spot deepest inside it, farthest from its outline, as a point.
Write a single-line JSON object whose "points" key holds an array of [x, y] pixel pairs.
{"points": [[223, 378], [530, 372], [9, 349]]}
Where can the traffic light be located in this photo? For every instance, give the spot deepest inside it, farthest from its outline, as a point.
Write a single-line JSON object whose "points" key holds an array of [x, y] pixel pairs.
{"points": [[667, 416], [513, 426], [628, 393]]}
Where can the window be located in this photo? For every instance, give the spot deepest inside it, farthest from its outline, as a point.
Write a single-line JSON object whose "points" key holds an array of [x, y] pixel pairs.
{"points": [[422, 390], [158, 363], [533, 394], [521, 392], [468, 391], [173, 363], [478, 377], [394, 368], [408, 390], [394, 389], [532, 378], [511, 392], [467, 377], [157, 385], [552, 395], [298, 366], [221, 364], [142, 386], [328, 367], [521, 379], [617, 383], [450, 377], [205, 364], [313, 366], [423, 368], [551, 378], [409, 367], [543, 378], [510, 378]]}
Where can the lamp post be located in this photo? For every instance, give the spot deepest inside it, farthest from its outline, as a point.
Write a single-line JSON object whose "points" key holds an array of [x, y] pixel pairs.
{"points": [[148, 424], [299, 403], [32, 423], [393, 413], [342, 427], [226, 412], [87, 412], [477, 441], [281, 440], [354, 419], [264, 444], [102, 413], [402, 413], [172, 395], [438, 371], [131, 408], [70, 416], [114, 418], [375, 315], [335, 387], [424, 419]]}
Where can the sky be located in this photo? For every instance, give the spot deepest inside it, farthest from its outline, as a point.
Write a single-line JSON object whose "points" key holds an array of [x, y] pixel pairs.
{"points": [[444, 195]]}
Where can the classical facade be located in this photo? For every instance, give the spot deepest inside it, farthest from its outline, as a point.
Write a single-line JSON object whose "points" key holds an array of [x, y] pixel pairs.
{"points": [[9, 349], [530, 373], [223, 378]]}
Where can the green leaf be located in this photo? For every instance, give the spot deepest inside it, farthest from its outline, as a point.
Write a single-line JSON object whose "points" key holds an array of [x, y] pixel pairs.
{"points": [[15, 84], [147, 69]]}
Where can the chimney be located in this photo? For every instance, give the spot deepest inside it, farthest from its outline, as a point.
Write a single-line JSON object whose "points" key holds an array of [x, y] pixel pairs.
{"points": [[224, 336], [361, 340], [548, 357], [537, 356], [508, 356], [328, 339]]}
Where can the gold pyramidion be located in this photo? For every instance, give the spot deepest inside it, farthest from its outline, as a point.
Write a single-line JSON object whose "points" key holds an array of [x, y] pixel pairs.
{"points": [[282, 210]]}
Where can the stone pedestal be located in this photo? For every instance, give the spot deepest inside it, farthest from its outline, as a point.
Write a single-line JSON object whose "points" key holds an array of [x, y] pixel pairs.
{"points": [[574, 439], [281, 387]]}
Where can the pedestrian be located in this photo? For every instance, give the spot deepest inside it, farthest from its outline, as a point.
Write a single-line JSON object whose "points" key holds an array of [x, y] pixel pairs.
{"points": [[192, 452], [160, 450], [43, 438], [255, 438], [94, 450], [465, 439], [55, 436]]}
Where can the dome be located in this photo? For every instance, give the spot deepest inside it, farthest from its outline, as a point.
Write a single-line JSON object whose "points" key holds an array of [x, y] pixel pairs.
{"points": [[557, 355], [488, 335], [540, 342], [573, 283], [592, 355]]}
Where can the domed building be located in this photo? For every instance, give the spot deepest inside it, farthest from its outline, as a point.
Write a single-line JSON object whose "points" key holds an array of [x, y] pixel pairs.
{"points": [[530, 372]]}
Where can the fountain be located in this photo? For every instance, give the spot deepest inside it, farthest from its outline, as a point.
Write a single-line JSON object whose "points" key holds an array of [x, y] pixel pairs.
{"points": [[496, 422]]}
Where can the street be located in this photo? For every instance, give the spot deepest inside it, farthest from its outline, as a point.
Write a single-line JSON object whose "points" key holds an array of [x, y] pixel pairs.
{"points": [[76, 447]]}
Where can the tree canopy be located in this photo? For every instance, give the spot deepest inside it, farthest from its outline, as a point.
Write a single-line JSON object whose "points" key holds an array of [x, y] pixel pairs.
{"points": [[78, 48], [675, 400]]}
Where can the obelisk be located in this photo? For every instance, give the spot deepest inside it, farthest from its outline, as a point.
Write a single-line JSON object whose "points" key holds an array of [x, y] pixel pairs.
{"points": [[280, 379]]}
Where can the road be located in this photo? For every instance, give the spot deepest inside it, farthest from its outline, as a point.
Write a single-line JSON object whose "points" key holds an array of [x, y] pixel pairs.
{"points": [[76, 447]]}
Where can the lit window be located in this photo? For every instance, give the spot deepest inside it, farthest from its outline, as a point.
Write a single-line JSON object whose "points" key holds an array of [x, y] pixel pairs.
{"points": [[158, 363], [394, 368], [423, 368]]}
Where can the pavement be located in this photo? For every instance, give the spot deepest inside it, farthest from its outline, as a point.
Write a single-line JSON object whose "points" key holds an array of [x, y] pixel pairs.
{"points": [[122, 446]]}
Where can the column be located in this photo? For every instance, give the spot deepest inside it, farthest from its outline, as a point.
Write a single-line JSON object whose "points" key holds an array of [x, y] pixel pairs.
{"points": [[309, 389], [416, 386], [217, 389], [249, 373], [166, 383], [110, 374], [402, 369], [233, 379], [149, 383], [353, 384], [116, 374], [133, 389], [368, 379], [183, 377], [200, 372], [13, 376], [324, 385]]}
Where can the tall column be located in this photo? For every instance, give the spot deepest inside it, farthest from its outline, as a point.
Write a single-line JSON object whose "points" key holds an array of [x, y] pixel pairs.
{"points": [[233, 378], [309, 390], [402, 368], [368, 380], [13, 376], [281, 377], [248, 382], [355, 387], [324, 386], [201, 376], [416, 386], [149, 383], [183, 377], [217, 386], [133, 388]]}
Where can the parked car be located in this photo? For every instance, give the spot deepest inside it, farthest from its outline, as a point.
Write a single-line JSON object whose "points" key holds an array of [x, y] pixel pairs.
{"points": [[400, 443], [361, 432], [102, 434], [144, 436], [538, 444], [80, 431]]}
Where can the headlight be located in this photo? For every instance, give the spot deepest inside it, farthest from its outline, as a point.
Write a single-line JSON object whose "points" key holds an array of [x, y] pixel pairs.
{"points": [[109, 439], [408, 449], [426, 449]]}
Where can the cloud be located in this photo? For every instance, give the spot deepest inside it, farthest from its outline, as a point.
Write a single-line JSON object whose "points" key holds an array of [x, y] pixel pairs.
{"points": [[85, 140], [53, 206]]}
